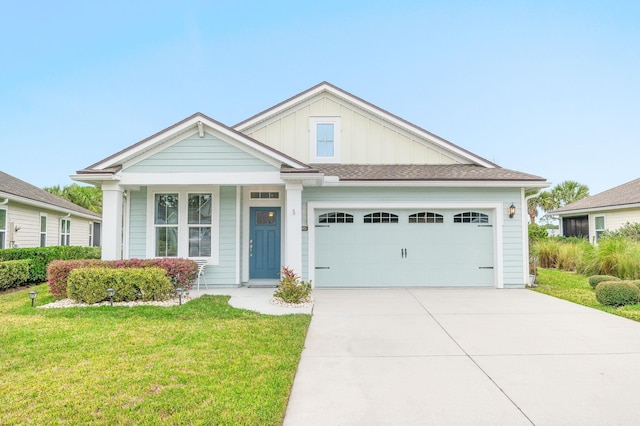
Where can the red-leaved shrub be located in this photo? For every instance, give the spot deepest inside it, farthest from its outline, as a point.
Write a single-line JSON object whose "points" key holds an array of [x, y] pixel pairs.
{"points": [[182, 272]]}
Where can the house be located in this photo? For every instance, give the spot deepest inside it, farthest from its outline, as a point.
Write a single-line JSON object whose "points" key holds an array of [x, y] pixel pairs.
{"points": [[606, 211], [340, 190], [33, 217]]}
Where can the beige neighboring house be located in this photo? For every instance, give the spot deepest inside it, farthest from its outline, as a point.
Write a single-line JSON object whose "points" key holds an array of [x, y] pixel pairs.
{"points": [[33, 217], [606, 211]]}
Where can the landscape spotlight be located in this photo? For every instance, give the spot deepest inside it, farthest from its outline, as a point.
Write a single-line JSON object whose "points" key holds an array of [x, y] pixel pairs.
{"points": [[32, 296], [111, 292], [179, 290]]}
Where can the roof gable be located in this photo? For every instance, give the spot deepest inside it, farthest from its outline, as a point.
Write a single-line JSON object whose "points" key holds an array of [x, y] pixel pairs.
{"points": [[389, 137], [621, 196], [198, 124]]}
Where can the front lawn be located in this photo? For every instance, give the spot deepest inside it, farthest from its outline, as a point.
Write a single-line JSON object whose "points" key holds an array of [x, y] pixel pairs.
{"points": [[575, 288], [204, 362]]}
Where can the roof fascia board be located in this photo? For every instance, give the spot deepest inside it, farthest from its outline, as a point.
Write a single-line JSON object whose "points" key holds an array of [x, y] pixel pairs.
{"points": [[41, 205], [371, 109], [329, 181], [598, 209]]}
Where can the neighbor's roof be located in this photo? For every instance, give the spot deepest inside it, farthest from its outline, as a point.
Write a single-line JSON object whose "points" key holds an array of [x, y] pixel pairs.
{"points": [[623, 195], [11, 187], [414, 172]]}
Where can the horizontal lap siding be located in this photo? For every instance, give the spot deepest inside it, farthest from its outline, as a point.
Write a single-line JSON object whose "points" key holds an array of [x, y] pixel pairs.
{"points": [[224, 274], [137, 223], [513, 245], [199, 155]]}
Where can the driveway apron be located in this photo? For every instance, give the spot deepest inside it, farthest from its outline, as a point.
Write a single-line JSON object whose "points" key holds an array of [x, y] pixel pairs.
{"points": [[424, 356]]}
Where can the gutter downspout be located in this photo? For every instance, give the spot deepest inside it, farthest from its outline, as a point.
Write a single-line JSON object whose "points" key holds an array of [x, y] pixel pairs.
{"points": [[6, 200], [526, 251]]}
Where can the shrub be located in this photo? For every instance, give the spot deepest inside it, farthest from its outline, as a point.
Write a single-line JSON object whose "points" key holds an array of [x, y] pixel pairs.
{"points": [[89, 285], [617, 293], [562, 253], [618, 256], [41, 257], [13, 273], [628, 230], [594, 280], [291, 289], [537, 233], [181, 272]]}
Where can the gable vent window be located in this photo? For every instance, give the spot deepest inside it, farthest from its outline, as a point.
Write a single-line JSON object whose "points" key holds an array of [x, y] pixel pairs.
{"points": [[324, 139], [335, 217], [426, 217], [262, 195], [381, 217], [471, 217]]}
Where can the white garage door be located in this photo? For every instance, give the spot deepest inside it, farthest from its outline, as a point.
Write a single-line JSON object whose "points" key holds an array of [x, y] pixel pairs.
{"points": [[369, 248]]}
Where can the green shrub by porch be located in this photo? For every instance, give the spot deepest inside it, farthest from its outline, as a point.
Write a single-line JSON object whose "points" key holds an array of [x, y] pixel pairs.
{"points": [[40, 257], [594, 280], [13, 273], [89, 285], [617, 293]]}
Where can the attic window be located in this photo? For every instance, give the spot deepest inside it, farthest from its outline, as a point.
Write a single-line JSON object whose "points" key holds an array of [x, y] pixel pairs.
{"points": [[324, 139]]}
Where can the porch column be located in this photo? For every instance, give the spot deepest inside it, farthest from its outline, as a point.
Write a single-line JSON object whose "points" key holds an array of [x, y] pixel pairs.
{"points": [[293, 227], [111, 221]]}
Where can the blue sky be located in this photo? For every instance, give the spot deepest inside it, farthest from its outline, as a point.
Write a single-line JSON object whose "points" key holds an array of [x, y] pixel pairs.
{"points": [[550, 88]]}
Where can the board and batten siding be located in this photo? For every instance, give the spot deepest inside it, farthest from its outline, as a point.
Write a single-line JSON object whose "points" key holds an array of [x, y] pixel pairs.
{"points": [[223, 274], [200, 155], [365, 139], [511, 232]]}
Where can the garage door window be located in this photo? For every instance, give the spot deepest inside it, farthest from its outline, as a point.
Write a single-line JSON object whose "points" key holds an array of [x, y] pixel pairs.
{"points": [[335, 217], [381, 217], [471, 217], [426, 217]]}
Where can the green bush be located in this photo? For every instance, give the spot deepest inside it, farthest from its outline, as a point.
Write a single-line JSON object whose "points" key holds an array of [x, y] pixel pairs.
{"points": [[13, 273], [617, 256], [41, 257], [617, 293], [594, 280], [291, 289], [89, 285], [561, 253], [537, 233]]}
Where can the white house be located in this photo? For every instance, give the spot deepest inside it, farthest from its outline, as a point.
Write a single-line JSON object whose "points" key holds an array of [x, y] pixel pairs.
{"points": [[33, 217], [343, 192], [606, 211]]}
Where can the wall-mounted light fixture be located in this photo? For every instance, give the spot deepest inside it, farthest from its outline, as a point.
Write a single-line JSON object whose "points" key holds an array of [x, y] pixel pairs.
{"points": [[512, 211]]}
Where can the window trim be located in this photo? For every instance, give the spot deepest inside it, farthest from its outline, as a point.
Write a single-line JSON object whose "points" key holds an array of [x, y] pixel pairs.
{"points": [[313, 135], [3, 232], [64, 234], [183, 225], [43, 233]]}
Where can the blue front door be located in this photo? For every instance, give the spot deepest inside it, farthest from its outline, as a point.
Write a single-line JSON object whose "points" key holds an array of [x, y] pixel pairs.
{"points": [[264, 243]]}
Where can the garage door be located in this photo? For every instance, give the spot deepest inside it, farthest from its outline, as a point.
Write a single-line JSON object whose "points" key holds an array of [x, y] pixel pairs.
{"points": [[372, 248]]}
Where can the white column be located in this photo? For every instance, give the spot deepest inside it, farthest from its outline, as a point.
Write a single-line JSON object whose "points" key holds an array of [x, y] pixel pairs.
{"points": [[111, 221], [293, 227]]}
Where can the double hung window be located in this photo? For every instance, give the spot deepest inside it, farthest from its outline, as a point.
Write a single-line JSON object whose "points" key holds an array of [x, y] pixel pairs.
{"points": [[324, 141], [3, 228], [43, 230], [65, 232]]}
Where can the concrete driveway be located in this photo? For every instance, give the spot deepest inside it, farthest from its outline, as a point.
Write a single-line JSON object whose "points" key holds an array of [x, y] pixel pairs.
{"points": [[418, 356]]}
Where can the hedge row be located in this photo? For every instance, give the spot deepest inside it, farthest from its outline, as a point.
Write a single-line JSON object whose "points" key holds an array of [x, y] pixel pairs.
{"points": [[89, 285], [181, 272], [41, 257], [13, 273]]}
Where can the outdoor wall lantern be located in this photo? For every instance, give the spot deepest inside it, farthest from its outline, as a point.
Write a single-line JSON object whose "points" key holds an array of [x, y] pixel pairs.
{"points": [[110, 293], [32, 296], [179, 290], [512, 211]]}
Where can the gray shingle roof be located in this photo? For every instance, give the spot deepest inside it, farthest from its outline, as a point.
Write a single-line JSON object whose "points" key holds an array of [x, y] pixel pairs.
{"points": [[414, 172], [625, 194], [13, 186]]}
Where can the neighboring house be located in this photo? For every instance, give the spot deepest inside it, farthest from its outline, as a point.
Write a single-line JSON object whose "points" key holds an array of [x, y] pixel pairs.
{"points": [[343, 192], [606, 211], [33, 217]]}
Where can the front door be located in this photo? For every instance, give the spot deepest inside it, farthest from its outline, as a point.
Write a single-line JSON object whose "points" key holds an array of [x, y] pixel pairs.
{"points": [[264, 243]]}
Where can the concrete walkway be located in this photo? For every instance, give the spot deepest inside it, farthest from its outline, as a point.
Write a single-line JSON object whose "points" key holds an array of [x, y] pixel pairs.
{"points": [[464, 357], [253, 298]]}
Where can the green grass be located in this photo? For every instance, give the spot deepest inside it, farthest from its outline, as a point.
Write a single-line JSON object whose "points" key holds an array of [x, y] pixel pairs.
{"points": [[204, 362], [575, 288]]}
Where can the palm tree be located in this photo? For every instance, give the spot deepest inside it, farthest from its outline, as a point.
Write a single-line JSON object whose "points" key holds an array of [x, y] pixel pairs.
{"points": [[568, 192], [89, 197], [543, 201]]}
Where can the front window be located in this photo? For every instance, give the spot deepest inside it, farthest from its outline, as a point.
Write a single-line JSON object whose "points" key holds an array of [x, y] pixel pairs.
{"points": [[199, 225], [90, 234], [324, 139], [43, 230], [166, 224], [3, 228], [65, 232], [599, 227]]}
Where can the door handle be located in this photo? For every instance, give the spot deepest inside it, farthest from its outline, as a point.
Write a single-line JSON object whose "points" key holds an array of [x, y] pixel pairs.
{"points": [[403, 253], [250, 248]]}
